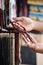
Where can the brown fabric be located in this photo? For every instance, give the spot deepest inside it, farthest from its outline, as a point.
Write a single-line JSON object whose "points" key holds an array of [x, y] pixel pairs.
{"points": [[1, 18]]}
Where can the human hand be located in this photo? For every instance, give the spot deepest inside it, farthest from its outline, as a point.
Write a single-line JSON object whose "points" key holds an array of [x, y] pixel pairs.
{"points": [[29, 24], [26, 22], [32, 43]]}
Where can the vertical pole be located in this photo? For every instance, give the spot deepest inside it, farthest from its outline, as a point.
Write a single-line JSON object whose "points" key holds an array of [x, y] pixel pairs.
{"points": [[16, 48]]}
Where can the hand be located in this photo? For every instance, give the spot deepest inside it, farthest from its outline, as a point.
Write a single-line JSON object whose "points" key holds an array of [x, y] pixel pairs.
{"points": [[33, 44], [26, 22], [29, 25]]}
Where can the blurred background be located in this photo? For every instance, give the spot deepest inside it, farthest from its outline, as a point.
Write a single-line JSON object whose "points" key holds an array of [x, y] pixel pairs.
{"points": [[13, 8]]}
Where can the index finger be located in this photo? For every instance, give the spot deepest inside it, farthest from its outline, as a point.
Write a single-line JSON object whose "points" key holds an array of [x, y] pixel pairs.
{"points": [[18, 19]]}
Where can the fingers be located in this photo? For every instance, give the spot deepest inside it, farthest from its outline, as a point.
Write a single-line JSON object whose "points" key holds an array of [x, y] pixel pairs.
{"points": [[25, 40], [25, 35], [31, 38], [28, 43], [19, 27], [18, 19], [27, 19]]}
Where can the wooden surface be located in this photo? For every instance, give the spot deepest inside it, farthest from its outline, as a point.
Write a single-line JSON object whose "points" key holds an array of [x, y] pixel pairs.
{"points": [[16, 48]]}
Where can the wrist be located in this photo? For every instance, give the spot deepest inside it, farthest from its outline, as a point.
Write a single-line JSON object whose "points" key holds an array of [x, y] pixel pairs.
{"points": [[35, 25]]}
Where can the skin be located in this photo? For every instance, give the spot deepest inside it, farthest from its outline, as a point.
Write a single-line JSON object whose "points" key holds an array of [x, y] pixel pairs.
{"points": [[30, 25]]}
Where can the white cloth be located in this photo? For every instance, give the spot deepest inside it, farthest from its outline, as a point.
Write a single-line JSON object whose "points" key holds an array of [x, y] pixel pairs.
{"points": [[12, 9]]}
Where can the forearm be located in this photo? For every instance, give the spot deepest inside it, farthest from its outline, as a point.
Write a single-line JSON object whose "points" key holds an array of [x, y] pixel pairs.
{"points": [[38, 26]]}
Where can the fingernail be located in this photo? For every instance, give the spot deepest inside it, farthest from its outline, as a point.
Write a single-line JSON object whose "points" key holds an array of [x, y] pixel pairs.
{"points": [[28, 39]]}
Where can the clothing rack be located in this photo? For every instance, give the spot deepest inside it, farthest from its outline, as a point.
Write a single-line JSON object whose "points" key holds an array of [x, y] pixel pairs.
{"points": [[5, 29]]}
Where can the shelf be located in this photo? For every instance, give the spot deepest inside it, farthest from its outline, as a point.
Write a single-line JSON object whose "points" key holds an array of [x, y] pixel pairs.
{"points": [[35, 3], [37, 14]]}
